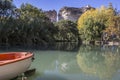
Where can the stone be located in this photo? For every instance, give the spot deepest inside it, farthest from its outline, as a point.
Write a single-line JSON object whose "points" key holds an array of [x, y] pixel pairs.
{"points": [[52, 15], [72, 13]]}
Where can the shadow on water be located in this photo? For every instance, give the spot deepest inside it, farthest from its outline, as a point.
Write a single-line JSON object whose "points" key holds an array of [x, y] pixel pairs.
{"points": [[63, 46]]}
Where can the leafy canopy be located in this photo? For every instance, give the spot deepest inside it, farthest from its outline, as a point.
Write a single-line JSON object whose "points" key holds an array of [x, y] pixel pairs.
{"points": [[94, 22]]}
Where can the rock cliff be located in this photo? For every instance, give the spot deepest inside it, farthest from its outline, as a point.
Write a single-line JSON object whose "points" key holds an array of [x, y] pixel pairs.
{"points": [[72, 13], [52, 15], [67, 13]]}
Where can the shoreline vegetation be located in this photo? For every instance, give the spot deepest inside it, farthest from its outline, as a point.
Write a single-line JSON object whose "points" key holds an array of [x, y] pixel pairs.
{"points": [[29, 26]]}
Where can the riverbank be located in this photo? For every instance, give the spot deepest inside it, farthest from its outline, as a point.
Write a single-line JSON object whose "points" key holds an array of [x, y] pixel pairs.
{"points": [[109, 43]]}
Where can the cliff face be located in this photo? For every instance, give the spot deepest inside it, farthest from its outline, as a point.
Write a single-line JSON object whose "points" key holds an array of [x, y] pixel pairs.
{"points": [[72, 13], [67, 13], [52, 15]]}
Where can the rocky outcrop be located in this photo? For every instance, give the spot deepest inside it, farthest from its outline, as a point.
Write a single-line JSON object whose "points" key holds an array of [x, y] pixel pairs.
{"points": [[52, 15], [72, 13], [67, 13]]}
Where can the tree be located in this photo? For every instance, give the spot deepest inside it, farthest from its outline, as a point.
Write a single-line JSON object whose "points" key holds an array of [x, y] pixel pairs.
{"points": [[7, 8], [112, 24], [7, 13], [36, 28], [67, 31], [93, 23], [29, 27]]}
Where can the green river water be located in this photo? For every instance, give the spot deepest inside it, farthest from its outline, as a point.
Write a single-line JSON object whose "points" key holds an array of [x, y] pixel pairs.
{"points": [[85, 63]]}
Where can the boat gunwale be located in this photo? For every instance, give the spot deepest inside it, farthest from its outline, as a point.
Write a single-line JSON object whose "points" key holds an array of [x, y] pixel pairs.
{"points": [[7, 62]]}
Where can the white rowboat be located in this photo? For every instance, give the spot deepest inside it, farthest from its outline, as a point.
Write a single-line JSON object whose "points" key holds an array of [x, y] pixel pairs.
{"points": [[13, 64]]}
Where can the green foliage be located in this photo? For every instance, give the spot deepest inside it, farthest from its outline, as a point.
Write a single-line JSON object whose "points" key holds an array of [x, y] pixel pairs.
{"points": [[7, 9], [31, 27], [90, 25], [28, 25], [93, 23], [67, 31]]}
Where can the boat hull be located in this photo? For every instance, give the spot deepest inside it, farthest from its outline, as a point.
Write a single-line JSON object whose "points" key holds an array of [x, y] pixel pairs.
{"points": [[12, 70]]}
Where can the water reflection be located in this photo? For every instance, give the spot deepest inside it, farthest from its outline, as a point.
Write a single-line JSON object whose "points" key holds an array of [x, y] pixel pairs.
{"points": [[67, 46], [55, 64], [63, 46], [104, 62], [59, 62]]}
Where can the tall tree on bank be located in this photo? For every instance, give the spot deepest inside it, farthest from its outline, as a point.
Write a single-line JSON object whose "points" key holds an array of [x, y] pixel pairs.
{"points": [[93, 23], [112, 24], [7, 12], [34, 27], [30, 27]]}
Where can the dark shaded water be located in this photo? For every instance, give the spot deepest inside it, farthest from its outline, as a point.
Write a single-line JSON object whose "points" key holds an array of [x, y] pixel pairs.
{"points": [[68, 63]]}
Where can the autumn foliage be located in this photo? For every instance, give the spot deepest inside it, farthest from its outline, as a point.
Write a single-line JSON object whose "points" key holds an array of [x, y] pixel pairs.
{"points": [[93, 23]]}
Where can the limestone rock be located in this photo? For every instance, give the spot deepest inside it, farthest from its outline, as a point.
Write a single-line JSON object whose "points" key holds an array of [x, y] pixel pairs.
{"points": [[52, 15], [72, 13]]}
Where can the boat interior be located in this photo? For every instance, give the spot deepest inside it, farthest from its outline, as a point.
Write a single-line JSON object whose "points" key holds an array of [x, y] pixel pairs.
{"points": [[10, 56]]}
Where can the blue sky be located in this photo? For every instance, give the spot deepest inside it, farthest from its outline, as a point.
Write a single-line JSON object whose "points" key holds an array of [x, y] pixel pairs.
{"points": [[57, 4]]}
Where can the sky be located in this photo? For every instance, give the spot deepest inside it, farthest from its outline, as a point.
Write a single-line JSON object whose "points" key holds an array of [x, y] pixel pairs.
{"points": [[57, 4]]}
